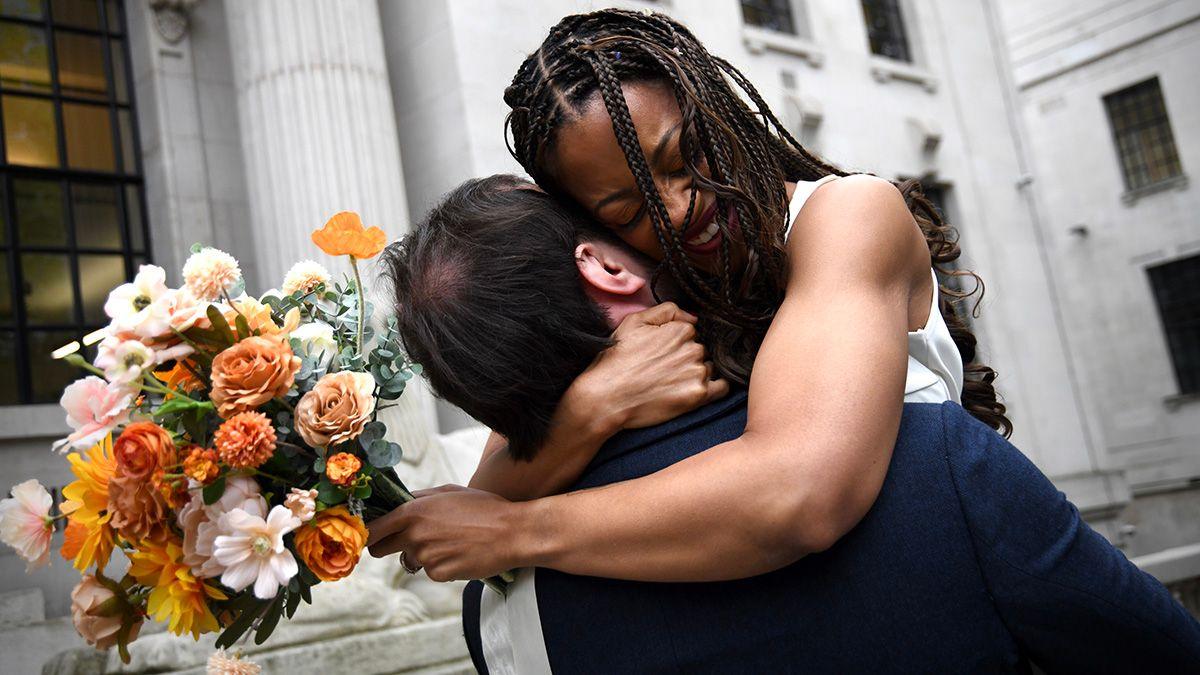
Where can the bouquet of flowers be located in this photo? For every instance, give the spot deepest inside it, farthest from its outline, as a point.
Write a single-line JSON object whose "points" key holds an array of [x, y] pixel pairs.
{"points": [[228, 445]]}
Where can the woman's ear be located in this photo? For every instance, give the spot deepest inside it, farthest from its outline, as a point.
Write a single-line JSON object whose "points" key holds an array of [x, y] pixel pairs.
{"points": [[605, 272]]}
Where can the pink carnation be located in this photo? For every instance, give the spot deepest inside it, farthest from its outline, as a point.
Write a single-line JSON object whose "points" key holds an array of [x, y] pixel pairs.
{"points": [[94, 408]]}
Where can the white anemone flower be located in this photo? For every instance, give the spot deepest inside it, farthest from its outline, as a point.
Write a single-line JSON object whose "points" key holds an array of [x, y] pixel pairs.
{"points": [[128, 305], [252, 551], [124, 361]]}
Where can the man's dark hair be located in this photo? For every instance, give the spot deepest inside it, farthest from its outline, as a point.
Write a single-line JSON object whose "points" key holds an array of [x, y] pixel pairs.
{"points": [[489, 302]]}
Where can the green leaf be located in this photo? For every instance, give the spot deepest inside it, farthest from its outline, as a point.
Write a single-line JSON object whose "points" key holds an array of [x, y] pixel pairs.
{"points": [[270, 620], [373, 431], [330, 493], [220, 325], [383, 453], [363, 491], [416, 369], [196, 247], [319, 465], [293, 598], [243, 327], [239, 626], [213, 491]]}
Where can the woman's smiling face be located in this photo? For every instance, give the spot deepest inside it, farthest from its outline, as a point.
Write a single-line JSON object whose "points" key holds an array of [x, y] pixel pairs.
{"points": [[588, 162]]}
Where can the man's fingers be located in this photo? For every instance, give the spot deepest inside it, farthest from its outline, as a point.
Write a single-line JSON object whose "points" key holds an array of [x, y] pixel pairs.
{"points": [[662, 314], [436, 490], [387, 546], [716, 389], [385, 526]]}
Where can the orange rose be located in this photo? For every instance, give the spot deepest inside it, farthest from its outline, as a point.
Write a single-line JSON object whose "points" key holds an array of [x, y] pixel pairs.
{"points": [[342, 469], [201, 465], [344, 234], [252, 372], [139, 510], [142, 450], [245, 440], [337, 408], [331, 543]]}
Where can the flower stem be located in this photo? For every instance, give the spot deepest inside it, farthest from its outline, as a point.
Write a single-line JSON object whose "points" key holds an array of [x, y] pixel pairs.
{"points": [[362, 302]]}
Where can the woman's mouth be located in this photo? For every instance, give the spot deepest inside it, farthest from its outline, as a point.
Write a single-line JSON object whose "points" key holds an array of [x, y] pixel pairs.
{"points": [[705, 236]]}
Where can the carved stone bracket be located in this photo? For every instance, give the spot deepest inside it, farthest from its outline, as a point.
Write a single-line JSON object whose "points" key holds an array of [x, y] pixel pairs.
{"points": [[171, 18]]}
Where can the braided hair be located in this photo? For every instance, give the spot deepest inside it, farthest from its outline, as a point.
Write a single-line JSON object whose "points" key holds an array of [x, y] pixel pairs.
{"points": [[749, 155]]}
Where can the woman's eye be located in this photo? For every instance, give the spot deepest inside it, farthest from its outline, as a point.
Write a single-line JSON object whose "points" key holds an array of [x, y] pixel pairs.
{"points": [[634, 220]]}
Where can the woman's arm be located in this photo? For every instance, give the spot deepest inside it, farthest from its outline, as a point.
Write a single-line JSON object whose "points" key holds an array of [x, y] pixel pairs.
{"points": [[824, 410], [654, 372]]}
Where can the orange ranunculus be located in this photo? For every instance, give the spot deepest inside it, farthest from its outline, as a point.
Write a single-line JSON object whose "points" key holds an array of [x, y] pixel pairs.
{"points": [[344, 234], [331, 543], [142, 450], [139, 509], [342, 469], [252, 372], [245, 440], [201, 465]]}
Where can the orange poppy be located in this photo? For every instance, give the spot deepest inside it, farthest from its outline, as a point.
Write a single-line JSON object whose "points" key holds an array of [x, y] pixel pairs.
{"points": [[344, 234]]}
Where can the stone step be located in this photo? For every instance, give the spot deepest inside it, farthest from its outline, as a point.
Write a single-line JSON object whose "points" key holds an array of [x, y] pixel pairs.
{"points": [[22, 608]]}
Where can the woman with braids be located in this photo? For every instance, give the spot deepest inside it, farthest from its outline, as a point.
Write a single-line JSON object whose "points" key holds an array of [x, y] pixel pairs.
{"points": [[813, 287]]}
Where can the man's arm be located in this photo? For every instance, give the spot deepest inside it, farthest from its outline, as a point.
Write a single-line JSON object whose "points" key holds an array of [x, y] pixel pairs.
{"points": [[1071, 600]]}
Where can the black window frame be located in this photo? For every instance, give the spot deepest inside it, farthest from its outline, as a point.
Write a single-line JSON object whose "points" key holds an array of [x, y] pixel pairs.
{"points": [[1132, 111], [774, 15], [1178, 305], [887, 32], [128, 183]]}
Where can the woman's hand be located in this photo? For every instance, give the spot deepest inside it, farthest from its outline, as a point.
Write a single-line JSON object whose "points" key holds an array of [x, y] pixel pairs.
{"points": [[452, 531], [655, 372]]}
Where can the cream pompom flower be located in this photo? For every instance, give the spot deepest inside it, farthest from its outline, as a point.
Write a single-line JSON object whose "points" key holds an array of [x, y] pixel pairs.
{"points": [[221, 663], [25, 522], [252, 551], [304, 277], [210, 272]]}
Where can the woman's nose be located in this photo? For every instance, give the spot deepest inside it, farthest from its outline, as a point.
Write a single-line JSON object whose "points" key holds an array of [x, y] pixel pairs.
{"points": [[677, 197]]}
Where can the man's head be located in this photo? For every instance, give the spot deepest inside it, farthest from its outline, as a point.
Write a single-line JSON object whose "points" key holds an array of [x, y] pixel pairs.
{"points": [[504, 296]]}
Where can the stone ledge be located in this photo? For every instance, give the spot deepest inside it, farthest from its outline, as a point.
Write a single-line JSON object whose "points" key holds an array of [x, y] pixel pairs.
{"points": [[22, 608]]}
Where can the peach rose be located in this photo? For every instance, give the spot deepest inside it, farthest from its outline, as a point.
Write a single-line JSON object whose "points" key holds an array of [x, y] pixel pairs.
{"points": [[342, 469], [252, 372], [139, 510], [337, 408], [98, 627], [331, 543], [142, 450]]}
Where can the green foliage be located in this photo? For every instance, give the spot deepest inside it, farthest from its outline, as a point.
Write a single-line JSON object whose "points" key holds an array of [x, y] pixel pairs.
{"points": [[329, 493], [213, 491]]}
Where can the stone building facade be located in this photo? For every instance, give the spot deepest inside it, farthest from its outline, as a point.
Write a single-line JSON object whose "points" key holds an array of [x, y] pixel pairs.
{"points": [[244, 123]]}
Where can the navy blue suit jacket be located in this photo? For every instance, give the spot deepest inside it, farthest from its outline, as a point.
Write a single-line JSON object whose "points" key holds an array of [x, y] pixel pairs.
{"points": [[969, 561]]}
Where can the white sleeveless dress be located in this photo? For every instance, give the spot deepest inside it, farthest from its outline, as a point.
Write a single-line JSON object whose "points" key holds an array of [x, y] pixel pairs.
{"points": [[511, 628]]}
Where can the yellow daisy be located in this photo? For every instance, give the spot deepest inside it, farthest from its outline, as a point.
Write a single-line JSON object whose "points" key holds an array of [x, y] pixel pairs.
{"points": [[176, 597], [86, 505]]}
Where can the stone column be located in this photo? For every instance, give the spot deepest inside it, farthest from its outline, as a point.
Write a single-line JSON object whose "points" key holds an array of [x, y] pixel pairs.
{"points": [[319, 136]]}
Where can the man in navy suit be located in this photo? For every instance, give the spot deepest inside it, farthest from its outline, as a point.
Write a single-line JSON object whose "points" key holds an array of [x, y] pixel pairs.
{"points": [[970, 559]]}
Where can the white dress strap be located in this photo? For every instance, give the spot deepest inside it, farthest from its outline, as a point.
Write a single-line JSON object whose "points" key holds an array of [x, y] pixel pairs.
{"points": [[804, 190]]}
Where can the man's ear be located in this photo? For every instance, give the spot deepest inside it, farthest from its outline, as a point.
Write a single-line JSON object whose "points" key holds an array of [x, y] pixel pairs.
{"points": [[605, 272]]}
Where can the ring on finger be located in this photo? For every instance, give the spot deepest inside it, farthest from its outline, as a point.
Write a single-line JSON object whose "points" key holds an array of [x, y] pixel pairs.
{"points": [[405, 565]]}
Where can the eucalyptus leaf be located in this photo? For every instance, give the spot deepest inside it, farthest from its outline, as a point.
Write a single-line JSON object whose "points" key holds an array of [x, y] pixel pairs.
{"points": [[214, 490], [383, 453], [196, 247]]}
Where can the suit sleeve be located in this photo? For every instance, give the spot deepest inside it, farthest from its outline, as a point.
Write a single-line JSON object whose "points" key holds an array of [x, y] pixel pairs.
{"points": [[1070, 599]]}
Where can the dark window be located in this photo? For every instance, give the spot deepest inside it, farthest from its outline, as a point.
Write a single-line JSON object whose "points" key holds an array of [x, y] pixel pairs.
{"points": [[772, 14], [71, 203], [1142, 132], [885, 29], [1177, 292]]}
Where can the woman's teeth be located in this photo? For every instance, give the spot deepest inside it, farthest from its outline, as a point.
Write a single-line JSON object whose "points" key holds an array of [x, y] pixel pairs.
{"points": [[705, 236]]}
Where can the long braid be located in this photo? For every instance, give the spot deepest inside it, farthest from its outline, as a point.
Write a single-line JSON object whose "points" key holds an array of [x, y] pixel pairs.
{"points": [[750, 154]]}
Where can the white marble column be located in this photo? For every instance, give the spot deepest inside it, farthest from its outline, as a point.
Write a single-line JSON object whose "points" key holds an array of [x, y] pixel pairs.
{"points": [[319, 136]]}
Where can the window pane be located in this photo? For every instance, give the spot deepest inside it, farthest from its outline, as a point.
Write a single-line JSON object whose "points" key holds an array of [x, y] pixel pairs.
{"points": [[99, 274], [47, 376], [29, 134], [128, 155], [49, 297], [118, 66], [80, 65], [40, 217], [97, 218], [8, 366], [133, 212], [24, 59], [112, 12], [6, 299], [89, 137], [29, 9], [83, 13]]}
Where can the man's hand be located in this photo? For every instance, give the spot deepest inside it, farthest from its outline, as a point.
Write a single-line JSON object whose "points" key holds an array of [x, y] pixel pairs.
{"points": [[655, 372], [452, 531]]}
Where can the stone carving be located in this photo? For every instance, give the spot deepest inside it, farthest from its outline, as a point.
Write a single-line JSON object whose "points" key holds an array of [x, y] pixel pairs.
{"points": [[171, 18]]}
